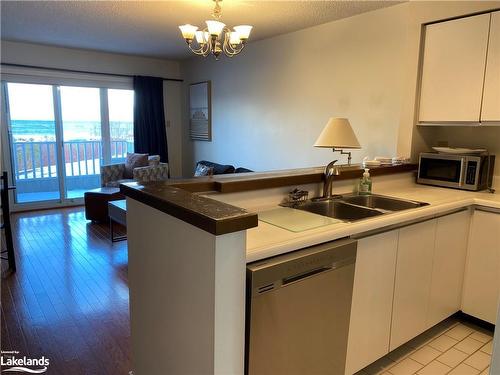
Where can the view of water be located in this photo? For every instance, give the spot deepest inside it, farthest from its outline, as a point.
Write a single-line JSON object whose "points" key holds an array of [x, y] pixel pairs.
{"points": [[44, 130]]}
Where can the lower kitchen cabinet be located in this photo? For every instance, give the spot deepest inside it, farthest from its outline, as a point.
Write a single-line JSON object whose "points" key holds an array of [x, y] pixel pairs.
{"points": [[371, 311], [410, 279], [450, 249], [482, 272], [412, 282]]}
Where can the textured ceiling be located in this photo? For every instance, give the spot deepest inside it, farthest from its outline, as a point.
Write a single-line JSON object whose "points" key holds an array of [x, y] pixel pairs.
{"points": [[149, 28]]}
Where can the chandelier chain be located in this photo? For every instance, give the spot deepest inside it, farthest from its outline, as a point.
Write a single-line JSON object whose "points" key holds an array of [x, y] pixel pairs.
{"points": [[217, 13]]}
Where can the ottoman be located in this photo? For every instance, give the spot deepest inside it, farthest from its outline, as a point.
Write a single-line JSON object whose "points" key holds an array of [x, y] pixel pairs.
{"points": [[96, 202]]}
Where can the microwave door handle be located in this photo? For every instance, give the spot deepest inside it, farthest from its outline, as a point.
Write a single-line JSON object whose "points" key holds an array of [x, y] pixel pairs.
{"points": [[462, 172]]}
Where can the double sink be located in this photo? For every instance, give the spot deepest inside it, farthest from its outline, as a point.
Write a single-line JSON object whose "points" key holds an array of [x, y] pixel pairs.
{"points": [[356, 207]]}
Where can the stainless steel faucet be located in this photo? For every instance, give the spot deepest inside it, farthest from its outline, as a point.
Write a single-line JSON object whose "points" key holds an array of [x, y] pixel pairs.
{"points": [[331, 170]]}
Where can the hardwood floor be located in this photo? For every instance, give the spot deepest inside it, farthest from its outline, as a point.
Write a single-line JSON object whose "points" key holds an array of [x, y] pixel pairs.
{"points": [[68, 300]]}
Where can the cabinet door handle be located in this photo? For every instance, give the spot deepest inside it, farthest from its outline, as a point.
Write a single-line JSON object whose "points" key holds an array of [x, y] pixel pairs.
{"points": [[462, 172]]}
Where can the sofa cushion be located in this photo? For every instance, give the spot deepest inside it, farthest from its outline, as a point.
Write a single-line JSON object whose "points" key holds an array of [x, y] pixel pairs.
{"points": [[134, 161], [151, 173], [217, 168]]}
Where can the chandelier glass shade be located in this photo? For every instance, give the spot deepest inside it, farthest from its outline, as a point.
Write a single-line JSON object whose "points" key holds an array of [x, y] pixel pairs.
{"points": [[216, 38]]}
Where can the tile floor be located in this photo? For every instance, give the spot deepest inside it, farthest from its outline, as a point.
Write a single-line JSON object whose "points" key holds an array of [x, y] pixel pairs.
{"points": [[452, 347]]}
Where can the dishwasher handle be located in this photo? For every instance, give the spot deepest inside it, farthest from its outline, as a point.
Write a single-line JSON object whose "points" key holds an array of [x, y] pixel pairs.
{"points": [[316, 271], [292, 279]]}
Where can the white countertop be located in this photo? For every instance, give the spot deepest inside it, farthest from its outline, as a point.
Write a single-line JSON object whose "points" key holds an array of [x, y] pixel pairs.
{"points": [[268, 240]]}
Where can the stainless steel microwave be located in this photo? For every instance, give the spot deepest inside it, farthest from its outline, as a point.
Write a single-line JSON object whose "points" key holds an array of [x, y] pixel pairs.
{"points": [[467, 172]]}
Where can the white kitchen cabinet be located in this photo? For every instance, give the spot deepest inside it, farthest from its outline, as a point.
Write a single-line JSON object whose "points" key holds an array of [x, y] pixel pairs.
{"points": [[491, 98], [371, 311], [450, 249], [482, 272], [412, 282], [410, 279], [453, 69]]}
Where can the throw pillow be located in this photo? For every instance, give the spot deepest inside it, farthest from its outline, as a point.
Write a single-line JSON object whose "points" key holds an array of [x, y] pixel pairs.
{"points": [[154, 160], [134, 161], [218, 168], [203, 170]]}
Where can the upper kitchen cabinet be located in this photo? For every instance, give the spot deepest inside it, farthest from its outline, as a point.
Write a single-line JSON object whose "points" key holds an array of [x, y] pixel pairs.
{"points": [[491, 100], [453, 70]]}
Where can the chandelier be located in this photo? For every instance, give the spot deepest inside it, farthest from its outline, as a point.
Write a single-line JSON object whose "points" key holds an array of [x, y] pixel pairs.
{"points": [[216, 37]]}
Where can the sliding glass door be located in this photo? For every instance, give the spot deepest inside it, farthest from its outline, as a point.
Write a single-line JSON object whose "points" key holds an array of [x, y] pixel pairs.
{"points": [[121, 123], [61, 135], [33, 143], [82, 141]]}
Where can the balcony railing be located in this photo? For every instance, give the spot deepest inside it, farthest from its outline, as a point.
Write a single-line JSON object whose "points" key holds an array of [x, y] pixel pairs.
{"points": [[35, 164]]}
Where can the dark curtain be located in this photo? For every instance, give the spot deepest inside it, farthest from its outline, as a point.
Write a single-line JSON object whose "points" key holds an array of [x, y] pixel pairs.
{"points": [[150, 134]]}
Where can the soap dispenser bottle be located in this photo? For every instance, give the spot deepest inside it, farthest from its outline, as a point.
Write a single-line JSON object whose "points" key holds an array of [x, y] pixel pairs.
{"points": [[365, 183]]}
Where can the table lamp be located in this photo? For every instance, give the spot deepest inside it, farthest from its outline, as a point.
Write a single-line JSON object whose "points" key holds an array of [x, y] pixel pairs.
{"points": [[338, 135]]}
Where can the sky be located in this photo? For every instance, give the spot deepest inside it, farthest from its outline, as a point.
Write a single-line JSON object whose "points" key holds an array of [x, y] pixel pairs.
{"points": [[30, 102], [35, 102]]}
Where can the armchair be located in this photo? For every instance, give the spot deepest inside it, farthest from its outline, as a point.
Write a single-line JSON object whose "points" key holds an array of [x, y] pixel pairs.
{"points": [[113, 175]]}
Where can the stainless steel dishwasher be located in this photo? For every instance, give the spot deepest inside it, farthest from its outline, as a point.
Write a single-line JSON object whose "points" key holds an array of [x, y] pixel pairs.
{"points": [[298, 310]]}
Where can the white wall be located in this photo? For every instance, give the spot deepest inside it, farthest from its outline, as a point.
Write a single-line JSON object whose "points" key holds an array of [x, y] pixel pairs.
{"points": [[68, 58], [270, 103]]}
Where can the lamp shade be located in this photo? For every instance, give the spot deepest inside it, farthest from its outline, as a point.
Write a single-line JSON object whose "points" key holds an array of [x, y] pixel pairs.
{"points": [[243, 31], [337, 133], [188, 31], [215, 27]]}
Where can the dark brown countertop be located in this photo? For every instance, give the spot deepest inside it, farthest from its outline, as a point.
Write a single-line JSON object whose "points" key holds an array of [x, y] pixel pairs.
{"points": [[175, 196], [205, 213]]}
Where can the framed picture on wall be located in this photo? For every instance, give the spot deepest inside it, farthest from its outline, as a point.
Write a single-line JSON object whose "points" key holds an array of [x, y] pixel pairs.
{"points": [[200, 108]]}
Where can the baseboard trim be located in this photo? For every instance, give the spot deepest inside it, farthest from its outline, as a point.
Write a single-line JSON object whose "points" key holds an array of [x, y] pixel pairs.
{"points": [[472, 319]]}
